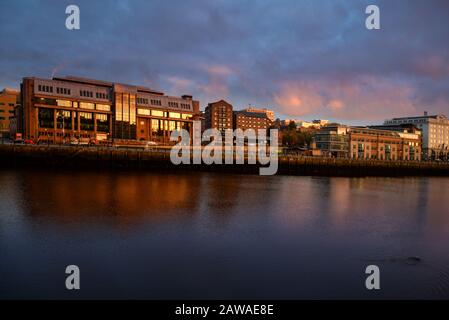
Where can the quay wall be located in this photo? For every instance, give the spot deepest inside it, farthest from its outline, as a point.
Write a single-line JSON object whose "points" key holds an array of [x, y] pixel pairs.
{"points": [[158, 159]]}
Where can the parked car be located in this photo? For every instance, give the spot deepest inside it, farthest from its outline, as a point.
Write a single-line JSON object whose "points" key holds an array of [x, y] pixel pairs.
{"points": [[84, 141], [151, 143], [29, 141]]}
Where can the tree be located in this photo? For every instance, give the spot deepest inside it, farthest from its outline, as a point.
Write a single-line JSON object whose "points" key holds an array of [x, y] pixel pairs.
{"points": [[292, 125]]}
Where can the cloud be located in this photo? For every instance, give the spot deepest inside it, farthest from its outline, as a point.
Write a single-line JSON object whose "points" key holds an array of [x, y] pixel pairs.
{"points": [[335, 105], [365, 97], [304, 58], [217, 82]]}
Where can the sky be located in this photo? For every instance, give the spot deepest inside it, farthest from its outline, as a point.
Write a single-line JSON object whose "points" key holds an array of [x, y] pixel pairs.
{"points": [[305, 59]]}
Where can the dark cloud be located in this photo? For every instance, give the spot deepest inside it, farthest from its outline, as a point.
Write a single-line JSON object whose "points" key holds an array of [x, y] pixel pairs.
{"points": [[302, 58]]}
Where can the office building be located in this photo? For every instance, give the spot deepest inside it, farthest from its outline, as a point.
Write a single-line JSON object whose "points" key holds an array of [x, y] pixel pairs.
{"points": [[9, 99], [435, 133], [333, 141], [369, 143], [54, 110]]}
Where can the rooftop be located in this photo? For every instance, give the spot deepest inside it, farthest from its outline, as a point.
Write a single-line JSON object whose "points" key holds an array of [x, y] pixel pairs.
{"points": [[105, 83], [252, 114]]}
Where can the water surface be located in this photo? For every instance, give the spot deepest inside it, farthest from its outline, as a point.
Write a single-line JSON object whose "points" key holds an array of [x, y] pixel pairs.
{"points": [[208, 235]]}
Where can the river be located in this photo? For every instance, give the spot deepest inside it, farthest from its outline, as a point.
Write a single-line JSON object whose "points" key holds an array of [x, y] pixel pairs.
{"points": [[210, 235]]}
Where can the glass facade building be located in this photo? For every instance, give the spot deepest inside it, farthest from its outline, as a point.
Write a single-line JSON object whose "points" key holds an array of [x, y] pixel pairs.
{"points": [[59, 109]]}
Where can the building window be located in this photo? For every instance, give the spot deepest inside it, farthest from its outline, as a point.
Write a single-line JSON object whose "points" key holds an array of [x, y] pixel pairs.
{"points": [[64, 119], [144, 112], [87, 105], [156, 102], [103, 107], [46, 118], [86, 121], [102, 122], [64, 103], [157, 113]]}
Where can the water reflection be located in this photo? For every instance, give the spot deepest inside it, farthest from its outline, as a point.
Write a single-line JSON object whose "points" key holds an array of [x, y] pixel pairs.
{"points": [[221, 236]]}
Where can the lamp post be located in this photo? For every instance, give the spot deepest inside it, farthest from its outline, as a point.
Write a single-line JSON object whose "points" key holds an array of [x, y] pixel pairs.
{"points": [[61, 114]]}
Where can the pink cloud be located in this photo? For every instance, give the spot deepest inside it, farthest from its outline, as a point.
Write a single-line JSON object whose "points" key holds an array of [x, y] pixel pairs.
{"points": [[335, 105], [217, 86], [362, 98], [298, 99]]}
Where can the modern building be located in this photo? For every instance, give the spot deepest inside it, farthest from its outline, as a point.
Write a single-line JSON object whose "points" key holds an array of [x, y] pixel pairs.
{"points": [[251, 120], [435, 133], [268, 112], [369, 143], [333, 141], [54, 110], [218, 115], [9, 99]]}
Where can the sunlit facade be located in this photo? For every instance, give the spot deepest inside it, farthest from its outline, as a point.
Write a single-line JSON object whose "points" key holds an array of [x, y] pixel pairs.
{"points": [[219, 115], [435, 133], [59, 109], [368, 143], [9, 99], [251, 120]]}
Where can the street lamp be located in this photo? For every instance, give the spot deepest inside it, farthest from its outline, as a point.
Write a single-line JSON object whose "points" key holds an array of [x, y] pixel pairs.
{"points": [[61, 114]]}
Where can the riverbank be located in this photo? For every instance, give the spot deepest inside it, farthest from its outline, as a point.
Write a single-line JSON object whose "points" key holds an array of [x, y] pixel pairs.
{"points": [[104, 158]]}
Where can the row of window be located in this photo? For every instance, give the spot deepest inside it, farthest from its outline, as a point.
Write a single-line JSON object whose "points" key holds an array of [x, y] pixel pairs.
{"points": [[85, 93], [156, 102], [153, 102], [159, 113], [46, 120], [42, 88], [9, 104], [142, 101], [388, 148], [73, 104], [90, 94], [101, 95], [63, 91]]}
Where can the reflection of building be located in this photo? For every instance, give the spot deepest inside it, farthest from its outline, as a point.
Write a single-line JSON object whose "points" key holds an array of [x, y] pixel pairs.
{"points": [[58, 108], [268, 112], [369, 143], [218, 115], [435, 133], [250, 120], [9, 98]]}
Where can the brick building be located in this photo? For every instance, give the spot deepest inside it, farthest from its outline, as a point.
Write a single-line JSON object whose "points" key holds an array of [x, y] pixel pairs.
{"points": [[9, 99], [54, 110]]}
